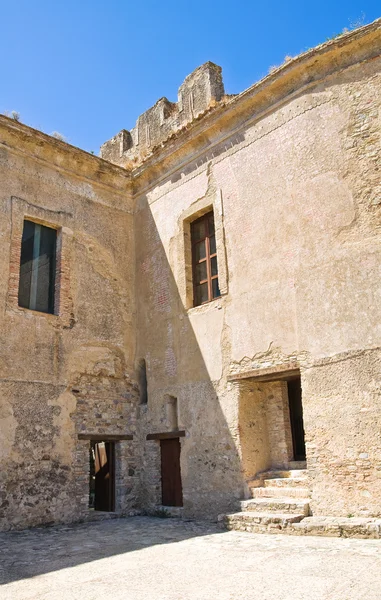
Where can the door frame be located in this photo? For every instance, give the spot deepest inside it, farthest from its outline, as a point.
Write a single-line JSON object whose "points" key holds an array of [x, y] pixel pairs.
{"points": [[109, 475], [171, 473], [295, 433]]}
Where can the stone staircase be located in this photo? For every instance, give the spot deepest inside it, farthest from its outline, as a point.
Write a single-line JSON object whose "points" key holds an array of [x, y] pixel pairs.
{"points": [[278, 500]]}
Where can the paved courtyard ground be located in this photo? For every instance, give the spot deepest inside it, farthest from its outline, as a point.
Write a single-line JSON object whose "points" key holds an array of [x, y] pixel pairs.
{"points": [[144, 558]]}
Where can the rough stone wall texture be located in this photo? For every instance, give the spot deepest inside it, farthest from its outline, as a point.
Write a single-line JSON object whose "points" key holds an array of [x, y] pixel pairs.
{"points": [[199, 92], [278, 424], [341, 398], [183, 356], [254, 443], [106, 403], [290, 168], [265, 440], [69, 373], [297, 193]]}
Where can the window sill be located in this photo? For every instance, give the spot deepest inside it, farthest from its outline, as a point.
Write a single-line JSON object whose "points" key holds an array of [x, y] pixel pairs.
{"points": [[60, 321], [216, 304], [37, 313]]}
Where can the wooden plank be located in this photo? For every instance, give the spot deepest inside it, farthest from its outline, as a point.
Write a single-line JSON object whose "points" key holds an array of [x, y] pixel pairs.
{"points": [[166, 435], [104, 437], [171, 486]]}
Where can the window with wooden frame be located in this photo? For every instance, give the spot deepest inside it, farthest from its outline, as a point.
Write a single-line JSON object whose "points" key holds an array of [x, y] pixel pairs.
{"points": [[204, 260], [37, 267]]}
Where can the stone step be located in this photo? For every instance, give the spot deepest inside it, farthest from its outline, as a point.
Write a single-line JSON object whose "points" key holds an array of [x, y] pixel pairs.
{"points": [[280, 505], [298, 464], [279, 492], [298, 474], [348, 527], [290, 482], [284, 474], [265, 522], [343, 527]]}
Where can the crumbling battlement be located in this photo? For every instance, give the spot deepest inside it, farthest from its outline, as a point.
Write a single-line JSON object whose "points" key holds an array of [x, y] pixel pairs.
{"points": [[201, 97], [200, 91]]}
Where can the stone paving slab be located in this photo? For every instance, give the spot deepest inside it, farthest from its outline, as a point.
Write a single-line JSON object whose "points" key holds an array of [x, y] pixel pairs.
{"points": [[293, 524], [143, 558]]}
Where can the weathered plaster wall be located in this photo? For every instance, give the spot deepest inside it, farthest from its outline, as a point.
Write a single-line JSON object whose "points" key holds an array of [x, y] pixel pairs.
{"points": [[291, 170], [184, 361], [278, 424], [71, 373], [297, 191]]}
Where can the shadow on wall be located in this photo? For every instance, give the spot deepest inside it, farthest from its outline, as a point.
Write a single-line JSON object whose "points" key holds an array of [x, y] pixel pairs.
{"points": [[211, 468]]}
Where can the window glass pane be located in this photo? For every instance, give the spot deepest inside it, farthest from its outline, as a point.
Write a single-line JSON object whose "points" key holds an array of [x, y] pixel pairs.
{"points": [[211, 223], [214, 269], [37, 267], [215, 289], [201, 293], [199, 251], [26, 263], [212, 240], [198, 230], [46, 270], [201, 272]]}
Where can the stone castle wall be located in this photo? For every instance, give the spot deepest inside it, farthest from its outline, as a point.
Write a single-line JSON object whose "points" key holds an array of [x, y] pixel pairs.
{"points": [[200, 92], [71, 373], [290, 168], [296, 198]]}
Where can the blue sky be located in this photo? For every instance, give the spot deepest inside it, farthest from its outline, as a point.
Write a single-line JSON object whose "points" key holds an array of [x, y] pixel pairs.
{"points": [[88, 68]]}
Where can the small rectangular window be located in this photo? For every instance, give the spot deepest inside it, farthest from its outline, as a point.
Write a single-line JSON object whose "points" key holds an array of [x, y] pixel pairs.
{"points": [[142, 378], [204, 257], [37, 267]]}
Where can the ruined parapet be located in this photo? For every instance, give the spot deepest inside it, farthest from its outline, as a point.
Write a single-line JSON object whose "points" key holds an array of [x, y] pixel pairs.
{"points": [[199, 92]]}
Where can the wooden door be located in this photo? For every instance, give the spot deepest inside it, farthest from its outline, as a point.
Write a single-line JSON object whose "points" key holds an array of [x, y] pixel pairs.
{"points": [[171, 487], [296, 417], [104, 460]]}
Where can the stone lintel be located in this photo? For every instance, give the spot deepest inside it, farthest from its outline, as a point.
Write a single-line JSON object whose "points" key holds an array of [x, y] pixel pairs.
{"points": [[166, 435], [273, 373], [104, 437]]}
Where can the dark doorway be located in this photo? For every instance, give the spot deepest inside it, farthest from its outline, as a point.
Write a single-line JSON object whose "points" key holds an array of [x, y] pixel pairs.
{"points": [[171, 488], [294, 389], [102, 476]]}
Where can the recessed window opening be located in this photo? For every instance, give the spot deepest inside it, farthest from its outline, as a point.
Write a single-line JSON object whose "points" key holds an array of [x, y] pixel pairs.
{"points": [[204, 260], [142, 378], [37, 267], [172, 412]]}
